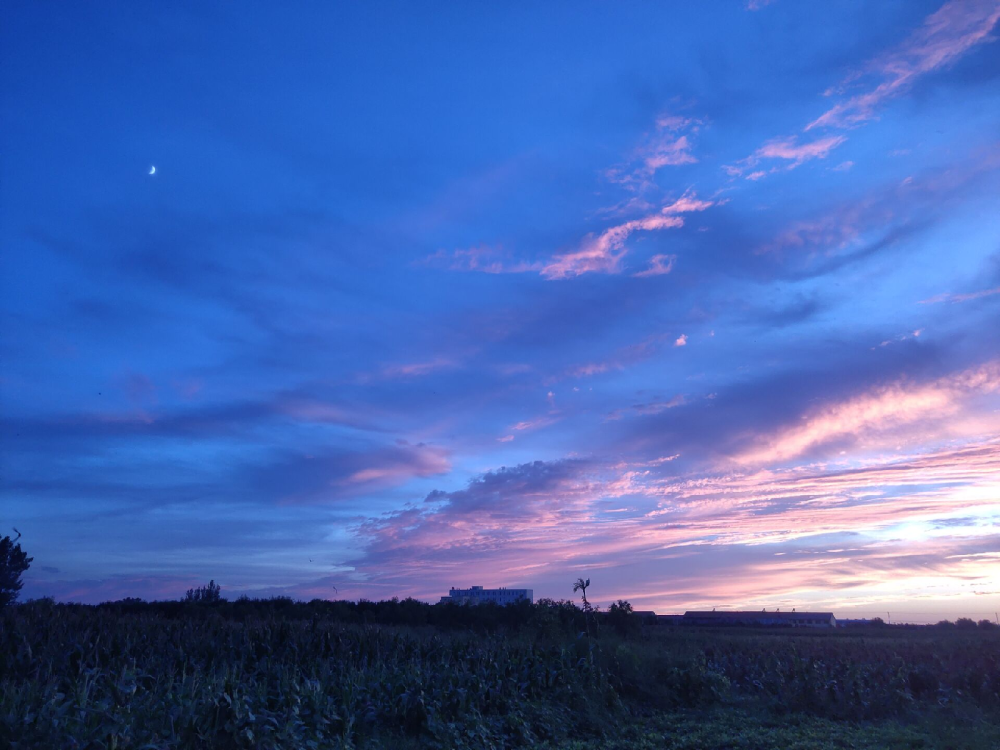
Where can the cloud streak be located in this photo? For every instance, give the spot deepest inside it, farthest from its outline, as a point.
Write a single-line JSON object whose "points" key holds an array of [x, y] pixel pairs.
{"points": [[875, 418], [968, 296], [787, 150], [946, 35], [604, 253]]}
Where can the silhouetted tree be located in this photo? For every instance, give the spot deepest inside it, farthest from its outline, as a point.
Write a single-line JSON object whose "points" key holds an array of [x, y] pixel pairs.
{"points": [[622, 618], [13, 562], [205, 594]]}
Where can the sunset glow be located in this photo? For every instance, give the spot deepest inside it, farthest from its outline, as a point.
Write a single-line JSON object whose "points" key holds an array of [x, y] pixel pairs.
{"points": [[698, 301]]}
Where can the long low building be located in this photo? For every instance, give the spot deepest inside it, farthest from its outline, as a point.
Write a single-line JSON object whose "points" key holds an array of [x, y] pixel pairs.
{"points": [[788, 619], [479, 595]]}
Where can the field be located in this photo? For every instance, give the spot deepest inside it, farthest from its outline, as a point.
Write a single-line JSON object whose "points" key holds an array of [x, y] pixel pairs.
{"points": [[320, 675]]}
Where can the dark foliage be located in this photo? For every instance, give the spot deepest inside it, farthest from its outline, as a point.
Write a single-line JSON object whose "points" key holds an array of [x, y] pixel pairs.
{"points": [[13, 563], [621, 617], [210, 594]]}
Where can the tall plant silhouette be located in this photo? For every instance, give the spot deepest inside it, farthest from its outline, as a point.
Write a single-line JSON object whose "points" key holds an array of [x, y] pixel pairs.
{"points": [[581, 586]]}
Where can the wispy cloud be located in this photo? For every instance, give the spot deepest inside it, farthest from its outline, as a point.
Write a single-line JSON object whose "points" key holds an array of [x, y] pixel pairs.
{"points": [[536, 423], [324, 475], [948, 297], [670, 144], [483, 259], [622, 358], [787, 150], [885, 212], [418, 369], [651, 407], [901, 337], [875, 418], [600, 253], [604, 253], [659, 265], [946, 35]]}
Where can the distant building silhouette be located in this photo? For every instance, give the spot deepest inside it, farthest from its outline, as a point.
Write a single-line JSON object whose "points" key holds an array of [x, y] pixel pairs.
{"points": [[792, 619], [479, 595], [645, 615]]}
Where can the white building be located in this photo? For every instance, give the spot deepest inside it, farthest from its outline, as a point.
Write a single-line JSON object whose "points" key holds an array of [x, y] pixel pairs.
{"points": [[479, 595]]}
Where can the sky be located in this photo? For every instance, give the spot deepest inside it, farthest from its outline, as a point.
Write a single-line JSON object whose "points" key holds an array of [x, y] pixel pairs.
{"points": [[700, 301]]}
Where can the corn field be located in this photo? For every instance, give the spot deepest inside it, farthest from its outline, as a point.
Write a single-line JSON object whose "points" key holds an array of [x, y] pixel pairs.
{"points": [[82, 677], [90, 679]]}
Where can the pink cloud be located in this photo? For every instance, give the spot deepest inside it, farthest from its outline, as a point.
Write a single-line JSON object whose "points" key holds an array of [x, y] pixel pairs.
{"points": [[399, 464], [797, 153], [786, 149], [534, 424], [524, 525], [681, 340], [604, 253], [666, 146], [658, 266], [960, 297], [876, 418], [686, 204], [670, 152], [946, 35], [665, 459]]}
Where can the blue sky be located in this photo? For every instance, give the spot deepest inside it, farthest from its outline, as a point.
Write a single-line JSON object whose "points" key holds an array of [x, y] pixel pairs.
{"points": [[700, 301]]}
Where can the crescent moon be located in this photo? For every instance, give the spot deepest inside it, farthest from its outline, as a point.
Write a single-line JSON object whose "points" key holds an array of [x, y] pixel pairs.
{"points": [[152, 170]]}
